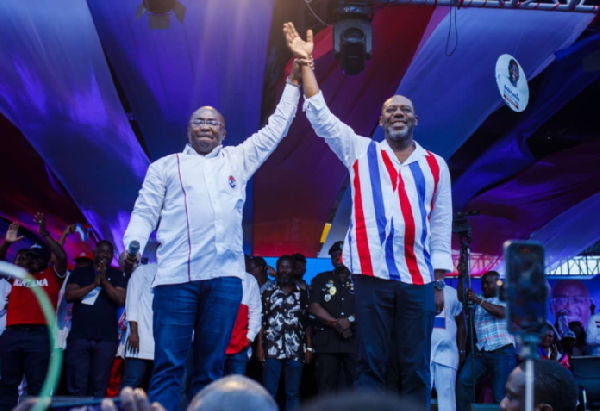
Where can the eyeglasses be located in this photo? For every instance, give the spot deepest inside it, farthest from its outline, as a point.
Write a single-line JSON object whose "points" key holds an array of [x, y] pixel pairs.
{"points": [[575, 300], [200, 121]]}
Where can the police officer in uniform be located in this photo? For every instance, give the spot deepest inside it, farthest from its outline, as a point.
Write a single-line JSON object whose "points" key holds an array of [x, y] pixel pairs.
{"points": [[334, 340]]}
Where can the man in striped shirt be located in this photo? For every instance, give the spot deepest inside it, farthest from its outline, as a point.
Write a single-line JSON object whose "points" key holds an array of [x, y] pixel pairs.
{"points": [[398, 244]]}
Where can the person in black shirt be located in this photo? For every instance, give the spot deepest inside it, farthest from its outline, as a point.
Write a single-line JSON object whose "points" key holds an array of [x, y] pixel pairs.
{"points": [[283, 342], [96, 292], [332, 303]]}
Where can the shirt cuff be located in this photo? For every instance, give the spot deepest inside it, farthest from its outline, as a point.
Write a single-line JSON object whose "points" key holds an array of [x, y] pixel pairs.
{"points": [[315, 103], [291, 94], [251, 335], [442, 261]]}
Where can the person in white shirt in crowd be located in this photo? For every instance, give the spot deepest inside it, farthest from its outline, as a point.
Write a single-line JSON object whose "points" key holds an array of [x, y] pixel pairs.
{"points": [[139, 349], [398, 243], [593, 333], [246, 328], [198, 195], [448, 341]]}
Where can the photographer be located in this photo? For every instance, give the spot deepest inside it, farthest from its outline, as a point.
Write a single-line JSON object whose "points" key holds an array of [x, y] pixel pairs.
{"points": [[495, 349]]}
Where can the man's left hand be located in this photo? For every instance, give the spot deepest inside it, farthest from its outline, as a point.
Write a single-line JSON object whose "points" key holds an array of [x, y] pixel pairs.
{"points": [[439, 301], [248, 342]]}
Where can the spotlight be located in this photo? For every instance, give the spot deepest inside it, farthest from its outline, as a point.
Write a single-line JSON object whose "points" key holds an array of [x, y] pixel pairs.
{"points": [[159, 12], [353, 35]]}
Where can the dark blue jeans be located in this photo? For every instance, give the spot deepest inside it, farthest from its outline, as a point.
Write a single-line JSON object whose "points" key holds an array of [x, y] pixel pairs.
{"points": [[498, 363], [135, 371], [208, 310], [22, 353], [394, 321], [293, 375], [89, 364], [236, 363]]}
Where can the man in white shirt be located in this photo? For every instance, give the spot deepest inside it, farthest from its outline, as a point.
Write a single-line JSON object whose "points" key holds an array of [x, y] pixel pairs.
{"points": [[447, 341], [398, 243], [199, 195], [246, 328], [139, 349], [593, 333]]}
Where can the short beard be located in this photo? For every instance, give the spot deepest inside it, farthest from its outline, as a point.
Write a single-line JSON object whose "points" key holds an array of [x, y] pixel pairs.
{"points": [[398, 135]]}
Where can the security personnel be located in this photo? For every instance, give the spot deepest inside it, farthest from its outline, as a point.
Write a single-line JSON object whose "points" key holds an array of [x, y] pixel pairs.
{"points": [[334, 341]]}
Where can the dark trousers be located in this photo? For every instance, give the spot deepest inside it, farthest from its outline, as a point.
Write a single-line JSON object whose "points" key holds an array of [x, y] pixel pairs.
{"points": [[208, 310], [23, 352], [328, 372], [498, 363], [293, 375], [236, 363], [89, 364], [135, 372], [394, 320]]}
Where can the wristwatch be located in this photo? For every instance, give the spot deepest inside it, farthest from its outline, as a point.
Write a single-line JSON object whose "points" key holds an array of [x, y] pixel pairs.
{"points": [[439, 285], [309, 349], [462, 352], [351, 319]]}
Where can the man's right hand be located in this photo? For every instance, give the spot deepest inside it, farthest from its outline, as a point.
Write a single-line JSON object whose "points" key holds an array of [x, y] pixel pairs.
{"points": [[127, 264], [301, 49], [70, 229], [12, 233]]}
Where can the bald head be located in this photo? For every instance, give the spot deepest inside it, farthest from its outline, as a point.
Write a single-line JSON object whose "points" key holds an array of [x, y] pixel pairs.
{"points": [[234, 392]]}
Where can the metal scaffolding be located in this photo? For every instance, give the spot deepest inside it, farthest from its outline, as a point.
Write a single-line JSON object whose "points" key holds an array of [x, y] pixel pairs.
{"points": [[579, 265], [577, 6]]}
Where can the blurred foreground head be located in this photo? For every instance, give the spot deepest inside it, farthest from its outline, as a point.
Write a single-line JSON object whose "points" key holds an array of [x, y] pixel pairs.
{"points": [[234, 392]]}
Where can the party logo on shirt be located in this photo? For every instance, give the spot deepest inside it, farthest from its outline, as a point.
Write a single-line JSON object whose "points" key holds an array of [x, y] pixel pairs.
{"points": [[232, 181]]}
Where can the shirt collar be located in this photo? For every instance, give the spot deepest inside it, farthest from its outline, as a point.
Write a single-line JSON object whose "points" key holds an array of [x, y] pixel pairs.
{"points": [[189, 150], [414, 156]]}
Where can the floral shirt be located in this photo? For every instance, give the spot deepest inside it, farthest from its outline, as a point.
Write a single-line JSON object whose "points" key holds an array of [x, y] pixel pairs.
{"points": [[283, 320]]}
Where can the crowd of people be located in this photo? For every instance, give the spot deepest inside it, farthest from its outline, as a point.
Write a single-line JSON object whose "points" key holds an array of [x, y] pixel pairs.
{"points": [[283, 324], [382, 319]]}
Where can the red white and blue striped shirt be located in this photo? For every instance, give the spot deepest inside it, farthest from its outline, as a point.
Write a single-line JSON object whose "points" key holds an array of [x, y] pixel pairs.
{"points": [[401, 222]]}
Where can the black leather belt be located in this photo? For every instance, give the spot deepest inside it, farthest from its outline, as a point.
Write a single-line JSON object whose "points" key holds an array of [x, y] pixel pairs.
{"points": [[27, 327]]}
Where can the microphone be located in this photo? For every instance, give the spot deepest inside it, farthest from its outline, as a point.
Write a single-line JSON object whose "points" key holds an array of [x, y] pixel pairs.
{"points": [[133, 250]]}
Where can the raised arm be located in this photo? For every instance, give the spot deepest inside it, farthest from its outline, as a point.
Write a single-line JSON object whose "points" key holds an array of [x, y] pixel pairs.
{"points": [[147, 209], [344, 142], [60, 264], [257, 148]]}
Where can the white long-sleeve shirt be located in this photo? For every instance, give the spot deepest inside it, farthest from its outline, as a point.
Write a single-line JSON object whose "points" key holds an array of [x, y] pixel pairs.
{"points": [[593, 333], [252, 299], [199, 200], [444, 350], [138, 308], [401, 222]]}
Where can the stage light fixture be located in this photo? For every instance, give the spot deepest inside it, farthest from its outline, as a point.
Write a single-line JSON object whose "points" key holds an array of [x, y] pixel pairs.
{"points": [[353, 35], [159, 12]]}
